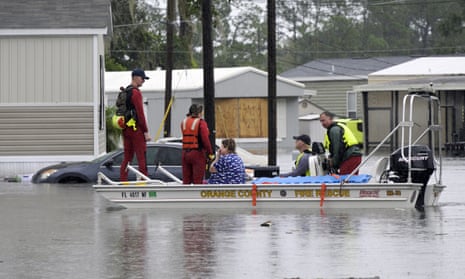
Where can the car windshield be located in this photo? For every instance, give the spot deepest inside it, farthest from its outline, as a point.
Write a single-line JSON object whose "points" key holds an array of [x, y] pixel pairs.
{"points": [[105, 156]]}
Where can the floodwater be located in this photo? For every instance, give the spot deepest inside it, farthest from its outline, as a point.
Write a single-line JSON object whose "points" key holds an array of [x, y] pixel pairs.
{"points": [[56, 231]]}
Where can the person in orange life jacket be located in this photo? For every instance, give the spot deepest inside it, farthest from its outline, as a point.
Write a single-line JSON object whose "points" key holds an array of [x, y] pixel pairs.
{"points": [[195, 146], [135, 138], [302, 143], [344, 154]]}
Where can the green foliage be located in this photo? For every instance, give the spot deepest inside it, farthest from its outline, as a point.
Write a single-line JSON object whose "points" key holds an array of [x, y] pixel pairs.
{"points": [[328, 29], [113, 135], [112, 65], [451, 29], [306, 30], [241, 40], [137, 40]]}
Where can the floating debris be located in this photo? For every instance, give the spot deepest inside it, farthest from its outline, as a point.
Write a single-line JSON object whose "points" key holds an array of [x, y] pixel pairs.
{"points": [[266, 224], [18, 178], [12, 179]]}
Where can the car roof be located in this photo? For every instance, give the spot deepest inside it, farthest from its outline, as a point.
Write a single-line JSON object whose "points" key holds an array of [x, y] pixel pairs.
{"points": [[174, 144]]}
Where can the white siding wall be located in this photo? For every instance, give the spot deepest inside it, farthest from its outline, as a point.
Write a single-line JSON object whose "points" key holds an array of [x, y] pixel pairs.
{"points": [[47, 101], [46, 130], [46, 69], [282, 117], [332, 95]]}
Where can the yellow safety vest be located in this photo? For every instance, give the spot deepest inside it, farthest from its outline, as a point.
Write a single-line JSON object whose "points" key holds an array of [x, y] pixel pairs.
{"points": [[297, 160], [347, 136]]}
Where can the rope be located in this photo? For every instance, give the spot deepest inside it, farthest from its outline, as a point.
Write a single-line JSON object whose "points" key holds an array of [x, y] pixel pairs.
{"points": [[162, 124]]}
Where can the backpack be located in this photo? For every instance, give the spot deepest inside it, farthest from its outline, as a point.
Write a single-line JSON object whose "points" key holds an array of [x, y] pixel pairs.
{"points": [[125, 110]]}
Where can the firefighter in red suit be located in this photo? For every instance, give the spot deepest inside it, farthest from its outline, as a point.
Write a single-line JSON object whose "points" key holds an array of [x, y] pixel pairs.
{"points": [[135, 137], [195, 146]]}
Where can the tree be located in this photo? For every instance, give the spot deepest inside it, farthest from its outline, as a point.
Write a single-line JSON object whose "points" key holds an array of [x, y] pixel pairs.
{"points": [[387, 30], [307, 29], [138, 35], [451, 30], [189, 20], [240, 40]]}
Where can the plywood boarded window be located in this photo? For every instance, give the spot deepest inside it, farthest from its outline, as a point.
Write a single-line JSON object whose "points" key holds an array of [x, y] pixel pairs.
{"points": [[241, 118]]}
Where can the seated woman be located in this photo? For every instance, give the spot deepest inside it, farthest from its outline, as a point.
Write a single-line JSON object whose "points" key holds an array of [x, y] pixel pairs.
{"points": [[228, 167]]}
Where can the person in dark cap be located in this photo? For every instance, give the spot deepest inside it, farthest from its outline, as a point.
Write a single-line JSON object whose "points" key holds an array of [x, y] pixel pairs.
{"points": [[139, 73], [136, 135], [302, 143], [195, 146]]}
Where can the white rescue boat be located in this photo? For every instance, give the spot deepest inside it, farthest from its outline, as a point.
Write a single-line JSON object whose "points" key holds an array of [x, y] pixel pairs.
{"points": [[399, 181]]}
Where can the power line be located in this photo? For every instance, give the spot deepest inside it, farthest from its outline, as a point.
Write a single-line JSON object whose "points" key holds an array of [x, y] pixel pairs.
{"points": [[356, 4], [405, 3], [310, 51], [317, 69]]}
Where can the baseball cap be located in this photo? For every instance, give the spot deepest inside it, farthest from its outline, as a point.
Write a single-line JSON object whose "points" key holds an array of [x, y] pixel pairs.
{"points": [[304, 138], [139, 73]]}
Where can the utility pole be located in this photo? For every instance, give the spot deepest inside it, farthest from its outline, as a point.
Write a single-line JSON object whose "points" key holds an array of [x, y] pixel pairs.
{"points": [[271, 22], [169, 64], [208, 68]]}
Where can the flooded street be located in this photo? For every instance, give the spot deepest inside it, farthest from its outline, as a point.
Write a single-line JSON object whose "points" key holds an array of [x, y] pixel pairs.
{"points": [[61, 231]]}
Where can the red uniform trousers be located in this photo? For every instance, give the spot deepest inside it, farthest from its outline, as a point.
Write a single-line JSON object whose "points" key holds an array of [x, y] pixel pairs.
{"points": [[134, 142], [193, 166], [350, 164]]}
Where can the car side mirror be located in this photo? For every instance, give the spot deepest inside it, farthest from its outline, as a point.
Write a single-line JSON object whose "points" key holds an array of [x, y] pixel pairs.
{"points": [[109, 163]]}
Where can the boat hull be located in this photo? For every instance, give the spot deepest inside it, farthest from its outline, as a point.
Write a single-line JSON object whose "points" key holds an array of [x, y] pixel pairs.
{"points": [[247, 196], [433, 193]]}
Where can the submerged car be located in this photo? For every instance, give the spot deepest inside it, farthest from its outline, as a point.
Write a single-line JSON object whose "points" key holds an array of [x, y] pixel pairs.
{"points": [[167, 155]]}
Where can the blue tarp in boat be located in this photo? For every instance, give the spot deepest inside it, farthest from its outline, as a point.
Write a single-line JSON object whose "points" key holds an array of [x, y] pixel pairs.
{"points": [[361, 178]]}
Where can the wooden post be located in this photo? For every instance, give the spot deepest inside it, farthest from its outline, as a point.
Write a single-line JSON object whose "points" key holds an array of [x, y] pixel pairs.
{"points": [[208, 68], [272, 123], [169, 65]]}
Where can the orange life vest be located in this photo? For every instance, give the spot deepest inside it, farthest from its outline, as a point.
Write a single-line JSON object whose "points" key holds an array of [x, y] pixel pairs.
{"points": [[190, 132]]}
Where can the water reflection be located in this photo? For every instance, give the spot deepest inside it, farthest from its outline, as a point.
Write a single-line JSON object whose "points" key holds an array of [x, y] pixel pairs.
{"points": [[198, 246], [133, 247], [72, 232], [299, 243], [123, 245], [339, 224]]}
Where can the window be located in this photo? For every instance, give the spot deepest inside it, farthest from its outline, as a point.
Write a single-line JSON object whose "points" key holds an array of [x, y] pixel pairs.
{"points": [[117, 160], [151, 155], [165, 156], [351, 104], [169, 156], [102, 94]]}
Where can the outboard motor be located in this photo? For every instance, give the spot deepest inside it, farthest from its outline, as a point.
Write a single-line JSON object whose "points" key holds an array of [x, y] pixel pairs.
{"points": [[317, 148], [319, 151], [422, 166]]}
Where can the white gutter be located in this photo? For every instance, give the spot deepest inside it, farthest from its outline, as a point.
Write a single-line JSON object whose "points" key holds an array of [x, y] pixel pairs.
{"points": [[44, 32]]}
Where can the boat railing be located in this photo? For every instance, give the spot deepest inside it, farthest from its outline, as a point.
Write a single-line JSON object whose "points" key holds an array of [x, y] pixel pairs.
{"points": [[141, 179], [434, 105], [432, 129]]}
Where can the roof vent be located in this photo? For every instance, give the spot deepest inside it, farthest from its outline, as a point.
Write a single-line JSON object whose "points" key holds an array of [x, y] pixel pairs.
{"points": [[332, 70]]}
